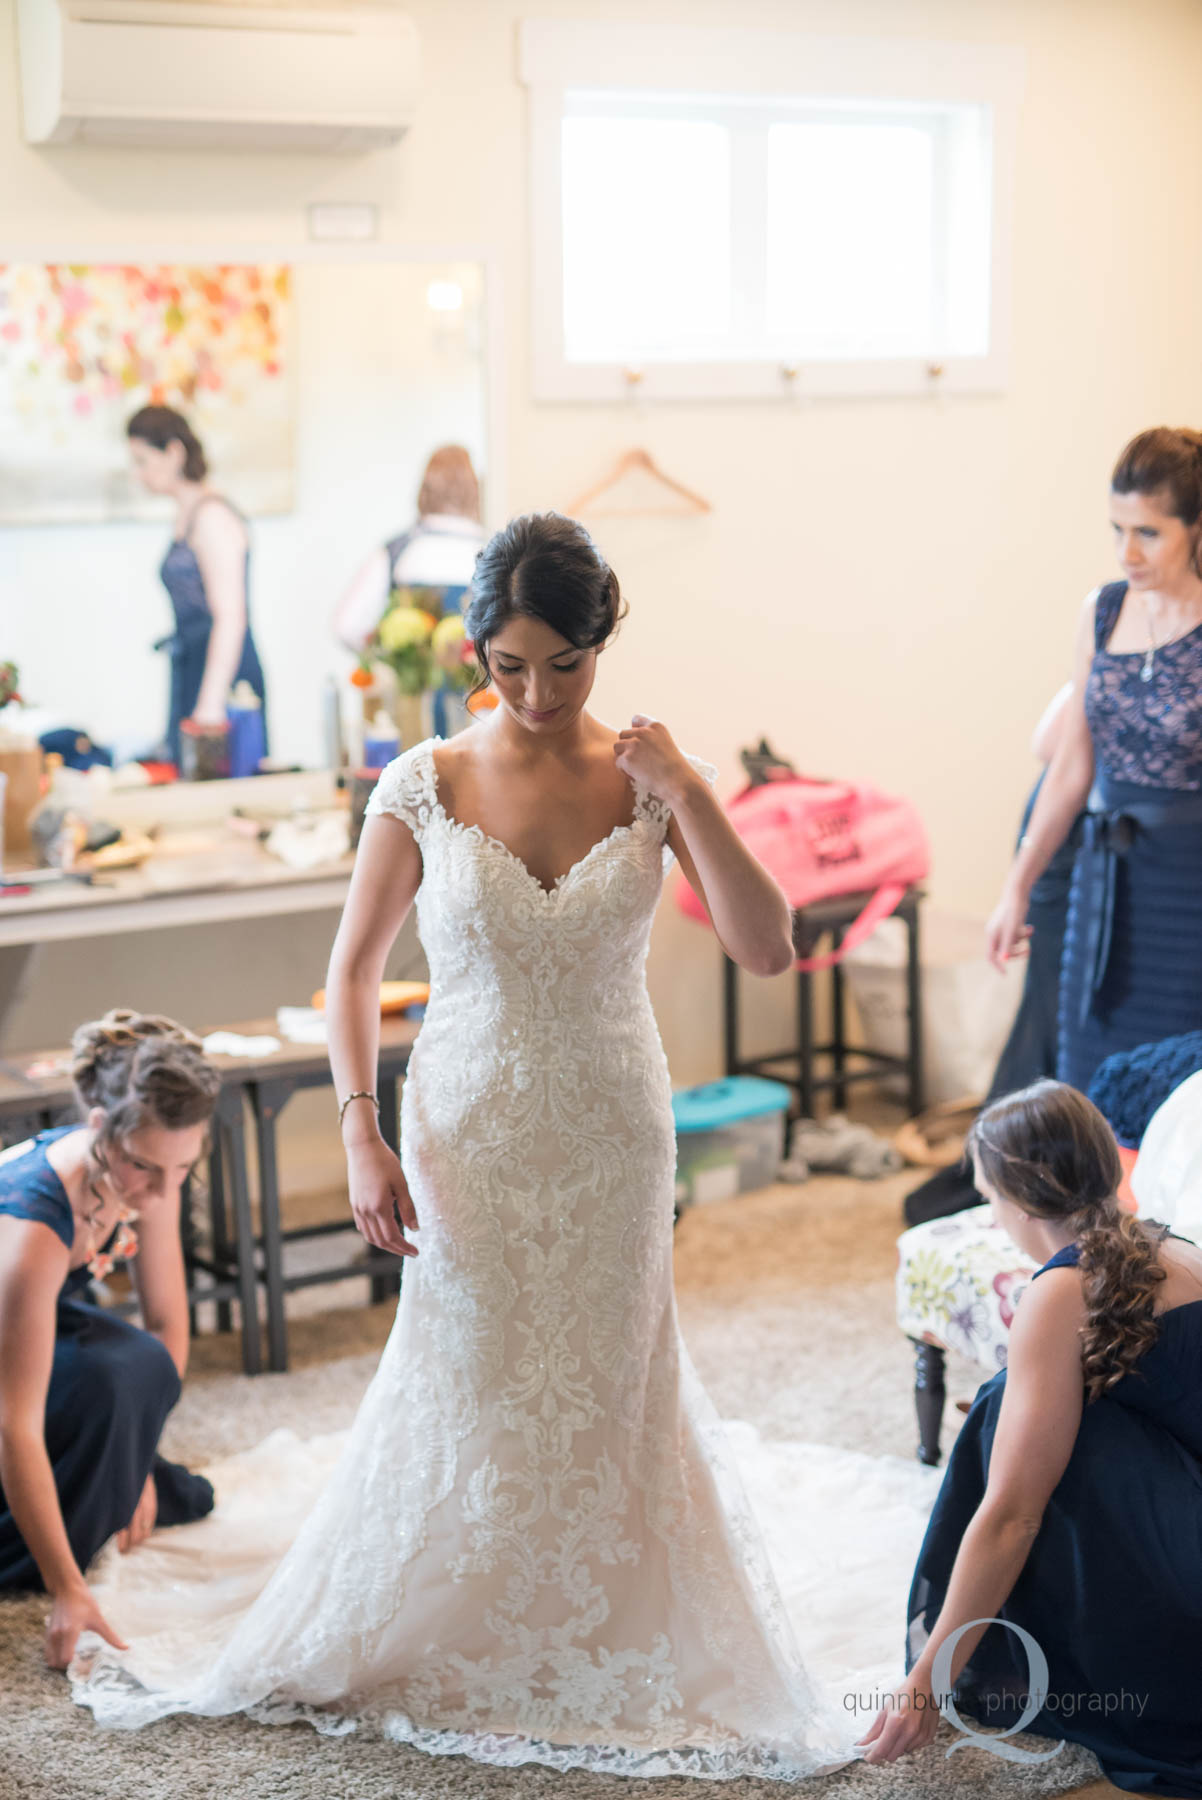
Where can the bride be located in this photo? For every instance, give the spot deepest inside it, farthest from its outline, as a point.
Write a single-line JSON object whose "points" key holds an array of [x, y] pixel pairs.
{"points": [[532, 1547]]}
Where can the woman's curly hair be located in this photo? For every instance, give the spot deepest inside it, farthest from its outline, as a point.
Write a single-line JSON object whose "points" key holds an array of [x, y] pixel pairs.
{"points": [[141, 1070], [1049, 1150]]}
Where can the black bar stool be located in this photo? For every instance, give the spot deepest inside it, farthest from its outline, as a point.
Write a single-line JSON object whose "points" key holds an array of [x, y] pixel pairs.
{"points": [[848, 1063]]}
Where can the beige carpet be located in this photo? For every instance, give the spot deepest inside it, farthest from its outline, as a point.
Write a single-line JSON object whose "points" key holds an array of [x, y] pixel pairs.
{"points": [[786, 1300]]}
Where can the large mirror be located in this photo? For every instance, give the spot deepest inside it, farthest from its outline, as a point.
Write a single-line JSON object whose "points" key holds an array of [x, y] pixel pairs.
{"points": [[318, 391]]}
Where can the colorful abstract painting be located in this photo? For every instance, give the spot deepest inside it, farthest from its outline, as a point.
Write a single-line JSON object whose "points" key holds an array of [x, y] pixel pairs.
{"points": [[83, 346]]}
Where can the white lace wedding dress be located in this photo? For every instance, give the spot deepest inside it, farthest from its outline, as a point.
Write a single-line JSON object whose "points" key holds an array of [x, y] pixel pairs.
{"points": [[533, 1544]]}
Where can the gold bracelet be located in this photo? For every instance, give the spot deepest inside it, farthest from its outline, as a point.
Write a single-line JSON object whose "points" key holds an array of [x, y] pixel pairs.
{"points": [[359, 1094]]}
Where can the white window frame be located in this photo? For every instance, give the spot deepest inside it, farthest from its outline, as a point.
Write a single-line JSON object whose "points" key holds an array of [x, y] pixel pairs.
{"points": [[559, 58]]}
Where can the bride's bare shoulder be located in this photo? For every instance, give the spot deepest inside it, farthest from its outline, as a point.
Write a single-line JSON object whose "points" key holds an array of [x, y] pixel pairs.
{"points": [[453, 761], [606, 735]]}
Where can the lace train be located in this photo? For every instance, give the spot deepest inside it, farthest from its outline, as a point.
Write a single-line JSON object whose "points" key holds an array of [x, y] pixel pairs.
{"points": [[842, 1531]]}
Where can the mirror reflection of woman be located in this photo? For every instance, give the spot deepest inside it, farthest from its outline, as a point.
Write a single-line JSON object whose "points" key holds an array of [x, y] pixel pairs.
{"points": [[205, 572], [437, 552]]}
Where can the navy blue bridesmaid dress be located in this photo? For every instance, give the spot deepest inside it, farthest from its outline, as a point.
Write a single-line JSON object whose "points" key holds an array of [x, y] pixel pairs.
{"points": [[188, 645], [1131, 972], [112, 1386], [1112, 1588]]}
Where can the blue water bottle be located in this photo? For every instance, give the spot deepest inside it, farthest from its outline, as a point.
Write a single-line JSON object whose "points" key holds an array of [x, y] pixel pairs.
{"points": [[381, 742], [247, 738]]}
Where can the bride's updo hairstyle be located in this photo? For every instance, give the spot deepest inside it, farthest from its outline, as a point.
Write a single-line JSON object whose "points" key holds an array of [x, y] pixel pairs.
{"points": [[543, 566], [1049, 1150], [141, 1070]]}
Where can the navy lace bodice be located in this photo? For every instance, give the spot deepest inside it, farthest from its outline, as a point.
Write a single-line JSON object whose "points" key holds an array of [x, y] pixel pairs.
{"points": [[1145, 732]]}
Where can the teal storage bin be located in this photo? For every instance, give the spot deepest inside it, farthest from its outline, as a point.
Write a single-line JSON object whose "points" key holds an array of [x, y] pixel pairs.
{"points": [[730, 1137]]}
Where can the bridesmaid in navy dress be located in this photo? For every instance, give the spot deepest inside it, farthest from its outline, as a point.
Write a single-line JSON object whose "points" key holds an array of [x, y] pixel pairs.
{"points": [[1131, 754], [1072, 1502], [83, 1394], [205, 571]]}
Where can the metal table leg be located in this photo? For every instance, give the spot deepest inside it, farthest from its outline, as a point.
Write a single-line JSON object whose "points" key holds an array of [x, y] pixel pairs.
{"points": [[384, 1286], [730, 1013], [219, 1231], [268, 1099], [805, 1043], [232, 1135], [838, 1028], [914, 1012]]}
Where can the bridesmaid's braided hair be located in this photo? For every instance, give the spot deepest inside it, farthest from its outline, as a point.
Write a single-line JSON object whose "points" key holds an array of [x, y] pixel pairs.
{"points": [[1049, 1150], [543, 566], [141, 1070]]}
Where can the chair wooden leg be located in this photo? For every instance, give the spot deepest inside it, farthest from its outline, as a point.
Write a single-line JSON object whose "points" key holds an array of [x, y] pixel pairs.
{"points": [[930, 1393]]}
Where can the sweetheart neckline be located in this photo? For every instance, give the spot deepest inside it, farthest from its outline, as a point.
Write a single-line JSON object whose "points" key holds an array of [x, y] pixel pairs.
{"points": [[494, 843]]}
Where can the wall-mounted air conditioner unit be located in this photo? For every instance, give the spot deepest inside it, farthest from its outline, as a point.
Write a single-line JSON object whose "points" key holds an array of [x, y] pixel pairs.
{"points": [[202, 74]]}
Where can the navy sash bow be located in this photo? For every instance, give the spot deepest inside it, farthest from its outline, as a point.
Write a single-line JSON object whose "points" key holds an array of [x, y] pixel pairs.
{"points": [[1118, 813]]}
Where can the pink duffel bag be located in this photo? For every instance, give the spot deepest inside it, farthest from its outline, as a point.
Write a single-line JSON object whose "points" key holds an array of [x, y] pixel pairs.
{"points": [[825, 838]]}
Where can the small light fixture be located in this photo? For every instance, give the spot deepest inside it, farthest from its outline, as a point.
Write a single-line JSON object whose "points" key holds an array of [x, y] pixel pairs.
{"points": [[444, 297]]}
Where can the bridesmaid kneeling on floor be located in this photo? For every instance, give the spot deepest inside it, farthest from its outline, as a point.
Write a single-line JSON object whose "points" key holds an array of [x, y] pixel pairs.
{"points": [[83, 1394], [1070, 1506]]}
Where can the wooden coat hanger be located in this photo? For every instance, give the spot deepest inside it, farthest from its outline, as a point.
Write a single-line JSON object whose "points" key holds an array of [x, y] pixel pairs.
{"points": [[638, 460]]}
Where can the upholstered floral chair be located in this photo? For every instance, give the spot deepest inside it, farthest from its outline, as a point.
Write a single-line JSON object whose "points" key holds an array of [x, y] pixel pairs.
{"points": [[958, 1282]]}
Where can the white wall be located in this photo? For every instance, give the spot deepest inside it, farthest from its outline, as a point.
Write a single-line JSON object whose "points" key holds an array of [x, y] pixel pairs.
{"points": [[886, 589]]}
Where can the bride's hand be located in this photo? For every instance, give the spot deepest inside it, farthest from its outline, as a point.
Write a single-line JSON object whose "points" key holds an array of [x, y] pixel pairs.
{"points": [[646, 753], [380, 1198]]}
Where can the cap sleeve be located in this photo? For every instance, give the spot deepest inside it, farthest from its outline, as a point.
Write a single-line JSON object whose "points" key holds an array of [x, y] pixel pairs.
{"points": [[30, 1189], [406, 789]]}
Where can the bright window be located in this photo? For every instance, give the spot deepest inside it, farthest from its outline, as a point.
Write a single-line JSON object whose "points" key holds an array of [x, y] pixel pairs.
{"points": [[695, 240], [646, 237], [851, 254]]}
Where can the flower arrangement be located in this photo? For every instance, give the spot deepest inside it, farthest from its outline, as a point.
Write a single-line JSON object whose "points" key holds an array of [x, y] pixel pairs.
{"points": [[424, 649], [9, 683], [455, 654], [403, 640]]}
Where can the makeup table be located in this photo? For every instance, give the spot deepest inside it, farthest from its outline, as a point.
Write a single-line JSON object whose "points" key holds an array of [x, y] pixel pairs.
{"points": [[201, 873]]}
